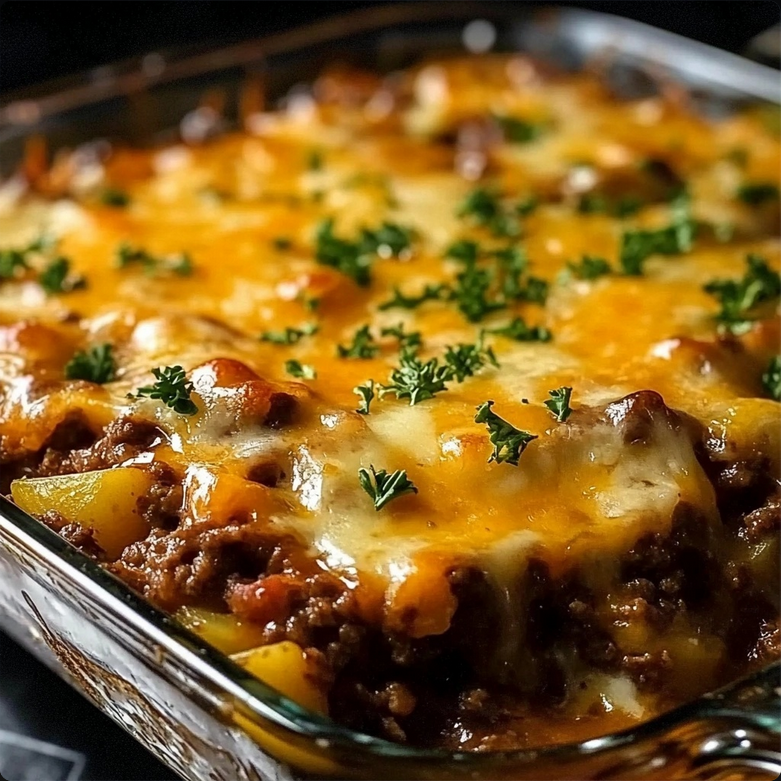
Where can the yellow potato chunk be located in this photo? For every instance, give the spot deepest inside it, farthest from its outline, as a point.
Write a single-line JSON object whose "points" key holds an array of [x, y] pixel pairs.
{"points": [[224, 631], [286, 667], [104, 500]]}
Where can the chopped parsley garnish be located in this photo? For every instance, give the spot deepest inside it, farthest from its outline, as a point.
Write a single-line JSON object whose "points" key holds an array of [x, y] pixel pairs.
{"points": [[172, 388], [314, 160], [519, 131], [289, 335], [110, 196], [15, 260], [739, 298], [508, 441], [389, 240], [676, 238], [464, 250], [417, 380], [56, 277], [465, 360], [411, 339], [12, 261], [590, 267], [354, 258], [471, 294], [483, 206], [310, 303], [558, 403], [535, 290], [366, 394], [757, 193], [771, 379], [528, 205], [518, 330], [400, 300], [512, 263], [363, 345], [384, 487], [94, 365], [128, 255], [302, 371], [282, 243], [341, 254], [596, 203]]}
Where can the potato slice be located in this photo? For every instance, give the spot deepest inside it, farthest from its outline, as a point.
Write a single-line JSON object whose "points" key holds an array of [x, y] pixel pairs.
{"points": [[285, 667], [104, 500], [224, 631]]}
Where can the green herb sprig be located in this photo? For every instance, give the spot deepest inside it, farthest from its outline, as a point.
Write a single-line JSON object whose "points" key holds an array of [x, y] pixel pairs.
{"points": [[558, 403], [740, 298], [508, 441], [757, 193], [771, 379], [518, 330], [363, 345], [94, 365], [127, 255], [302, 371], [675, 239], [383, 487], [172, 388], [289, 335], [366, 396]]}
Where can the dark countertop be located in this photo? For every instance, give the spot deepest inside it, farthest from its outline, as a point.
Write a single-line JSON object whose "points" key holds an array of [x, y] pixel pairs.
{"points": [[48, 732]]}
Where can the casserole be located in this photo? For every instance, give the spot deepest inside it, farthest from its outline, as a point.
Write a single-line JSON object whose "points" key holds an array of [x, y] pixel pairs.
{"points": [[113, 686]]}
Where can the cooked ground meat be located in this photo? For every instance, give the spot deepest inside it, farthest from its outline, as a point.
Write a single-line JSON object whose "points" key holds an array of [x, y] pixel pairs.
{"points": [[76, 534]]}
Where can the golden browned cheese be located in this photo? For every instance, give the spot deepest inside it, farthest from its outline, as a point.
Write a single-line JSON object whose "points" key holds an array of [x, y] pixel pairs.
{"points": [[247, 207]]}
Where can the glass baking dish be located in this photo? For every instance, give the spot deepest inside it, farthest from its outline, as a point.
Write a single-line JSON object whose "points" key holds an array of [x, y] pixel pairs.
{"points": [[190, 705]]}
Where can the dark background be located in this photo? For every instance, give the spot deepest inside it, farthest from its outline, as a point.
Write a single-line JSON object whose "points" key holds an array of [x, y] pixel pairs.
{"points": [[44, 40], [41, 40]]}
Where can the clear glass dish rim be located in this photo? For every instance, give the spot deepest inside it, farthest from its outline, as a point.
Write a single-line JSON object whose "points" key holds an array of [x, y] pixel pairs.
{"points": [[80, 90]]}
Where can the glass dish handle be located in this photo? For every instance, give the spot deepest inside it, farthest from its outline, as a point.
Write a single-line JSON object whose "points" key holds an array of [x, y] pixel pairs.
{"points": [[745, 744]]}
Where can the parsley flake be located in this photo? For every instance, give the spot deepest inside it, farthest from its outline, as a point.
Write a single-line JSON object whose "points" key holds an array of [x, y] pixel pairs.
{"points": [[508, 441], [464, 360], [56, 277], [411, 339], [302, 371], [289, 335], [471, 294], [417, 380], [363, 345], [483, 206], [383, 487], [739, 298], [519, 131], [520, 332], [558, 403], [172, 388], [16, 260], [354, 258], [589, 267], [110, 196], [366, 394], [757, 193], [675, 239], [400, 300], [94, 365], [127, 255], [771, 379]]}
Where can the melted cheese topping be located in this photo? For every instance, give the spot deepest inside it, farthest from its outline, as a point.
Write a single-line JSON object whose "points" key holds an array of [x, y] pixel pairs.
{"points": [[583, 492]]}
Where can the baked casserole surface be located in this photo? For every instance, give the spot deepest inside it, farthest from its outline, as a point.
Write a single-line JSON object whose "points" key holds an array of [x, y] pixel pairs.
{"points": [[446, 402]]}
